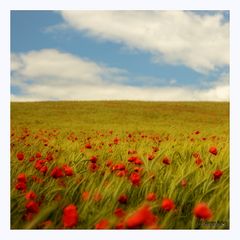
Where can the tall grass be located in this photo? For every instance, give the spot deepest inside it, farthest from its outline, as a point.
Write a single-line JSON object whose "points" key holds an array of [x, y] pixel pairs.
{"points": [[169, 126]]}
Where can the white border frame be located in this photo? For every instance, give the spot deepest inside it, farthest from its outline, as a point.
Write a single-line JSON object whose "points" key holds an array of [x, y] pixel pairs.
{"points": [[6, 6]]}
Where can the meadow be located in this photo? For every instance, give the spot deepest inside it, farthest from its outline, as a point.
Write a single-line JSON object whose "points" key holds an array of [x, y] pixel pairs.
{"points": [[119, 165]]}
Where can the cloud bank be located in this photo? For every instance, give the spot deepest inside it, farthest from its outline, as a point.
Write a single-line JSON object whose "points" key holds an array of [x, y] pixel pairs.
{"points": [[49, 74], [200, 42]]}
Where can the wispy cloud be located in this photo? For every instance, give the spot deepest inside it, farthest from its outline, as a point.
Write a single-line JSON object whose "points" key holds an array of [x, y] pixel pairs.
{"points": [[50, 66], [121, 92], [200, 42], [49, 74]]}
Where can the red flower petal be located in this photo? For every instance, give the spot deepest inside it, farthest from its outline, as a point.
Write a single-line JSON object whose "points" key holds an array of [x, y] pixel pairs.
{"points": [[70, 216], [202, 211]]}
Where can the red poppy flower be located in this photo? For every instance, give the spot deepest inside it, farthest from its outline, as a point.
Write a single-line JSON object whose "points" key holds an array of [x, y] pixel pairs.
{"points": [[119, 212], [119, 166], [167, 204], [123, 199], [116, 140], [138, 169], [109, 163], [196, 155], [131, 151], [199, 161], [88, 145], [113, 167], [138, 161], [85, 196], [143, 217], [49, 157], [68, 170], [135, 221], [34, 178], [21, 186], [217, 174], [30, 195], [38, 155], [43, 169], [93, 159], [151, 197], [57, 173], [32, 207], [97, 197], [129, 135], [155, 149], [184, 183], [121, 173], [135, 179], [102, 224], [70, 216], [31, 159], [93, 167], [40, 163], [20, 156], [213, 150], [197, 132], [151, 157], [166, 161], [201, 210], [22, 177], [132, 159]]}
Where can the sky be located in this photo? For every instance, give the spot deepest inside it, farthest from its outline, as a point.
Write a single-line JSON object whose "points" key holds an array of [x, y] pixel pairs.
{"points": [[120, 55]]}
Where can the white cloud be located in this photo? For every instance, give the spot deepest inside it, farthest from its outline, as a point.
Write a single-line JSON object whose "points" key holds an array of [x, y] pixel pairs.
{"points": [[122, 92], [174, 37], [50, 64], [49, 74]]}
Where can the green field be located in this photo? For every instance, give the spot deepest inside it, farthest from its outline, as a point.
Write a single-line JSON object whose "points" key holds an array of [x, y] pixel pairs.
{"points": [[182, 132]]}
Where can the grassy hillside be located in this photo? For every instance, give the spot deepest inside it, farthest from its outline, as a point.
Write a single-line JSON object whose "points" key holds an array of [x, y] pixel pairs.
{"points": [[169, 150], [122, 115]]}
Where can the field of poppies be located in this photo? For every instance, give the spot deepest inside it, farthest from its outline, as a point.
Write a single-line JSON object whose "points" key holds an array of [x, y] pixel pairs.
{"points": [[119, 165]]}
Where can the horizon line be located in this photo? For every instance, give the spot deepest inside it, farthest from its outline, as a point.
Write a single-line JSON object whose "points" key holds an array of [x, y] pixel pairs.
{"points": [[117, 100]]}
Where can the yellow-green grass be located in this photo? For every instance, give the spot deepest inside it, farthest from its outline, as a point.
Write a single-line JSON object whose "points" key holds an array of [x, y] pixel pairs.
{"points": [[170, 126]]}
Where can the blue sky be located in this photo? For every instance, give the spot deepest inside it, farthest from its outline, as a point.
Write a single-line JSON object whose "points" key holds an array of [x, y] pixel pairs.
{"points": [[144, 55]]}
